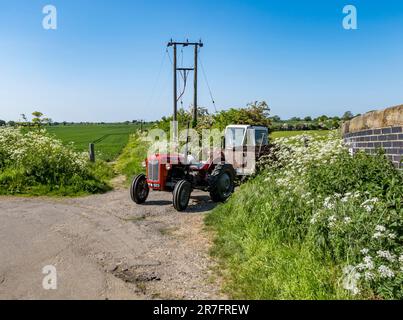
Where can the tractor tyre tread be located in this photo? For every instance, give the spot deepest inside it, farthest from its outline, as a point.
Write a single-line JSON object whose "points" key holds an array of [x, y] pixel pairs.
{"points": [[133, 189], [180, 187], [218, 171]]}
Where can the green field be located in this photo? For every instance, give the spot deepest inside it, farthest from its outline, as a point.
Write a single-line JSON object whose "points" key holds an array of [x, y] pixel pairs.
{"points": [[115, 137], [287, 134]]}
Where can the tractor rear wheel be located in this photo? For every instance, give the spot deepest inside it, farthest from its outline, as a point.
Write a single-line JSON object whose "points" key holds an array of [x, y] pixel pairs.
{"points": [[222, 182], [181, 195], [139, 189]]}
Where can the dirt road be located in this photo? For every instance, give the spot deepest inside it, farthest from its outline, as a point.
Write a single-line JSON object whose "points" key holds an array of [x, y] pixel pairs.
{"points": [[106, 247]]}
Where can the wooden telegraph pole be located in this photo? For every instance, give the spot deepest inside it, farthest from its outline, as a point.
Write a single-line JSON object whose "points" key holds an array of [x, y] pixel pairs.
{"points": [[194, 123], [196, 45], [175, 85]]}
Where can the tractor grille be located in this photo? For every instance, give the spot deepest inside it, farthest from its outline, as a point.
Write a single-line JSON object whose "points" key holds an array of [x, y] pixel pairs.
{"points": [[153, 170]]}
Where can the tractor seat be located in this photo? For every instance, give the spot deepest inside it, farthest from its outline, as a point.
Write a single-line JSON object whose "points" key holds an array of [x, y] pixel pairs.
{"points": [[199, 166]]}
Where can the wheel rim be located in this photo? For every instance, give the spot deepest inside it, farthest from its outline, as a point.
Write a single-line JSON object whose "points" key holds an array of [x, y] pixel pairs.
{"points": [[142, 189], [224, 185]]}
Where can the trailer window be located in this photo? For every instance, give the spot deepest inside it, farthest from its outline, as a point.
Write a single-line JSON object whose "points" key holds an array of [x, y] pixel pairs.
{"points": [[259, 136], [234, 137]]}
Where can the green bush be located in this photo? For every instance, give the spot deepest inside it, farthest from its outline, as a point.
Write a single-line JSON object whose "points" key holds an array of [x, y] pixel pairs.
{"points": [[318, 224], [32, 162], [134, 154], [255, 113]]}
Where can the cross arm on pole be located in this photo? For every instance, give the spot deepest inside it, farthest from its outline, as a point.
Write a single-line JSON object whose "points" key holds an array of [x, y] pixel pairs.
{"points": [[185, 69], [185, 44]]}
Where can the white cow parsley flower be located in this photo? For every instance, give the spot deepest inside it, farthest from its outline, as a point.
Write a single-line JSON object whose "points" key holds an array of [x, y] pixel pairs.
{"points": [[347, 220], [386, 255], [332, 221], [385, 272], [369, 276], [328, 204], [368, 264], [350, 280], [380, 228], [368, 207], [392, 236], [377, 235]]}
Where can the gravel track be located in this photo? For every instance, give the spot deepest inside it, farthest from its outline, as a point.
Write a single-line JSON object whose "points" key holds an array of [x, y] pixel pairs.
{"points": [[106, 247]]}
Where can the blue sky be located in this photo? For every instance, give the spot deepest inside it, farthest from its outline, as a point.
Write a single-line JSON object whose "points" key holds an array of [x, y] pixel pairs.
{"points": [[103, 61]]}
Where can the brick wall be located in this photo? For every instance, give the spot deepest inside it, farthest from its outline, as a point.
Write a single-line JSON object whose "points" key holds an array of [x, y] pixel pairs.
{"points": [[378, 129], [390, 139]]}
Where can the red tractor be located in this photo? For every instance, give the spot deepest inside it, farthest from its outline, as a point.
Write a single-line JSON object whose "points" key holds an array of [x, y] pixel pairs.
{"points": [[178, 174]]}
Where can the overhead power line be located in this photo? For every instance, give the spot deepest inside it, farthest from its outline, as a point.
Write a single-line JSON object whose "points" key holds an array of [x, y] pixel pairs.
{"points": [[158, 78], [207, 83]]}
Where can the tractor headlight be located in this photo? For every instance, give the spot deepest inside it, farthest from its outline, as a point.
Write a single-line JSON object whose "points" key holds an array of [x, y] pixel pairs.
{"points": [[143, 164], [168, 166]]}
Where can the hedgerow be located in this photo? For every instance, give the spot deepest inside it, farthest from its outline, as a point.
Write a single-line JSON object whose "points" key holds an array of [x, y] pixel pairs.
{"points": [[317, 224], [32, 162]]}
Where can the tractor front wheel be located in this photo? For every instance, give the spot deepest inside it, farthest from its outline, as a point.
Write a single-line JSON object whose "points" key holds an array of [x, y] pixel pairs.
{"points": [[221, 182], [139, 189], [181, 195]]}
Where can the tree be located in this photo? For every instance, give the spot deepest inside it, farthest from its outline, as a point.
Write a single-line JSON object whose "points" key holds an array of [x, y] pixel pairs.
{"points": [[308, 119], [39, 120], [276, 119], [204, 119], [295, 119], [24, 117], [301, 126], [335, 123], [348, 115], [322, 118], [183, 117], [2, 123], [255, 113]]}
